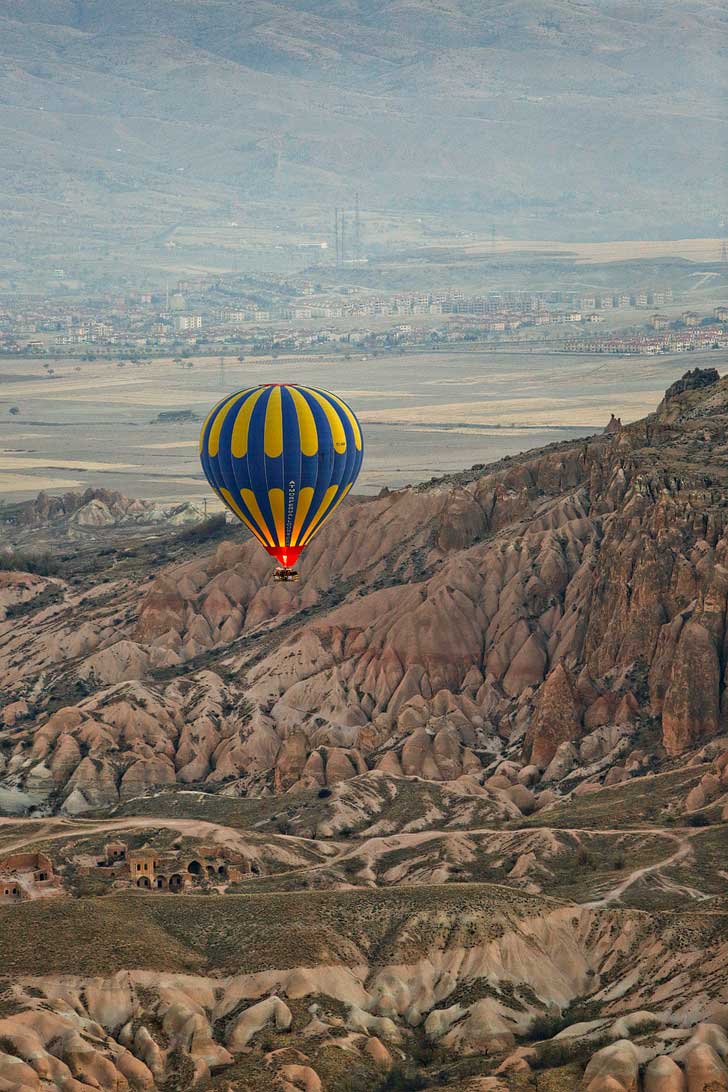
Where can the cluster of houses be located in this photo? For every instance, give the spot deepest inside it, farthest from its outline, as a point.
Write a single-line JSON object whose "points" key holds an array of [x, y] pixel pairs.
{"points": [[664, 337], [150, 869], [26, 876], [203, 308]]}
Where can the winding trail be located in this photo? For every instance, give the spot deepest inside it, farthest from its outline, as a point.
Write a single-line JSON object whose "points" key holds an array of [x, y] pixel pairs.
{"points": [[306, 854], [683, 850]]}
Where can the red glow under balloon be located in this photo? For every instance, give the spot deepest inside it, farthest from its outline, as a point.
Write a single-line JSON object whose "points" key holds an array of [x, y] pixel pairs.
{"points": [[285, 555]]}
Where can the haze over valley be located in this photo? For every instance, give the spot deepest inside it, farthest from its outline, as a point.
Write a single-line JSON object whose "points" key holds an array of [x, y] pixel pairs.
{"points": [[223, 130]]}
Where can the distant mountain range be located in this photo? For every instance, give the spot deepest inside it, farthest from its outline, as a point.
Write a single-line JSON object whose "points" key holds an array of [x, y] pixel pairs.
{"points": [[122, 121]]}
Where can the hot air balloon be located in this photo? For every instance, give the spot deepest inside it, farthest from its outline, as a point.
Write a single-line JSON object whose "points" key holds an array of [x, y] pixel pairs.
{"points": [[282, 457]]}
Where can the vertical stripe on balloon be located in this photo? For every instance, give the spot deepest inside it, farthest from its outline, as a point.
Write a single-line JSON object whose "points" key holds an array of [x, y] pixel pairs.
{"points": [[213, 439], [233, 504], [306, 423], [251, 501], [349, 415], [273, 435], [239, 441]]}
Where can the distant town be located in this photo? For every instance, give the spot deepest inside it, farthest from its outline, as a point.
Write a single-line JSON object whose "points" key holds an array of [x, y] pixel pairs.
{"points": [[272, 314]]}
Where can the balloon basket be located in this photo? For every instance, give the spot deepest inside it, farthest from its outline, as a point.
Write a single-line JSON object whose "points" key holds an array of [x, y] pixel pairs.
{"points": [[285, 576]]}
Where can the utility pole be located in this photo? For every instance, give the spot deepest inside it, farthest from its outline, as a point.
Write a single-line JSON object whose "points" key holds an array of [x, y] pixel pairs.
{"points": [[336, 233], [357, 230], [343, 237]]}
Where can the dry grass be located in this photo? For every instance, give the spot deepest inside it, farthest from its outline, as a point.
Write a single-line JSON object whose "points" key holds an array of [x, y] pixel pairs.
{"points": [[635, 803], [248, 933]]}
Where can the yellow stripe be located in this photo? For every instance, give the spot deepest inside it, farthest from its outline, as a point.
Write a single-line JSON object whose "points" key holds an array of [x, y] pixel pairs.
{"points": [[337, 429], [249, 499], [233, 504], [277, 507], [239, 445], [305, 497], [306, 423], [209, 417], [322, 518], [328, 497], [352, 419], [273, 443], [213, 443]]}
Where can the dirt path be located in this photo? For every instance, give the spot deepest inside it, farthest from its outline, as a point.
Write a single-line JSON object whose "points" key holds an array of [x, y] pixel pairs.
{"points": [[332, 853], [683, 850], [48, 830]]}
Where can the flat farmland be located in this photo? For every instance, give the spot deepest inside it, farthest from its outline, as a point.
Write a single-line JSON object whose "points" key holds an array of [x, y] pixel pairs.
{"points": [[424, 414]]}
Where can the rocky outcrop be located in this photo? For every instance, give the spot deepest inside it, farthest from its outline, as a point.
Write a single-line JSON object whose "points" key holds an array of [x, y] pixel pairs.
{"points": [[555, 718], [694, 380], [691, 707], [96, 507], [463, 972], [572, 591]]}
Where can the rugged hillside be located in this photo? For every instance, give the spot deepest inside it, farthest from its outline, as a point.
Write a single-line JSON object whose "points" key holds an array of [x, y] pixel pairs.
{"points": [[448, 814], [565, 610], [335, 990], [144, 117]]}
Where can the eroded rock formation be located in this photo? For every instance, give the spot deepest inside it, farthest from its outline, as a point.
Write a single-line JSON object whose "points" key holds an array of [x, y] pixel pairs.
{"points": [[575, 590]]}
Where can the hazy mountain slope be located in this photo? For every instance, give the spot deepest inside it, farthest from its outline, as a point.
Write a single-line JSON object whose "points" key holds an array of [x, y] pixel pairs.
{"points": [[142, 115]]}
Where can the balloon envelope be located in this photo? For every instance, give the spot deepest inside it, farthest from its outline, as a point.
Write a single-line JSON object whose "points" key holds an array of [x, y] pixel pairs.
{"points": [[282, 457]]}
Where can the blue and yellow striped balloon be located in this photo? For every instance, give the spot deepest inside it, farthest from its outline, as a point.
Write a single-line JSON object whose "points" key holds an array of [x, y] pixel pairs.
{"points": [[282, 457]]}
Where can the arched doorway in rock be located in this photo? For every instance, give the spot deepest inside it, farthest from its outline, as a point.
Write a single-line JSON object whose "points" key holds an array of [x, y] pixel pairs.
{"points": [[222, 872], [211, 871], [194, 868], [175, 882], [143, 881], [161, 882]]}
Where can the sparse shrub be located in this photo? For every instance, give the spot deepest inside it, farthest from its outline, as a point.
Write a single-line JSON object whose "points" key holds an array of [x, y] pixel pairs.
{"points": [[618, 862], [584, 859], [545, 1026], [44, 564], [558, 1052], [698, 819], [400, 1079], [323, 794]]}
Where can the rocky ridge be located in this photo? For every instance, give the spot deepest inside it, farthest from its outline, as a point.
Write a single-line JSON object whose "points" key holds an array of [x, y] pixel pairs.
{"points": [[454, 971], [555, 610]]}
